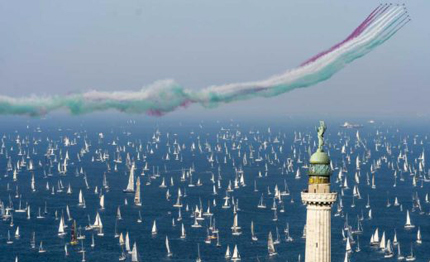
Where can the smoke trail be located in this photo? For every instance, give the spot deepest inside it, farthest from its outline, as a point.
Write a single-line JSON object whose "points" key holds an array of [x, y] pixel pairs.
{"points": [[165, 96]]}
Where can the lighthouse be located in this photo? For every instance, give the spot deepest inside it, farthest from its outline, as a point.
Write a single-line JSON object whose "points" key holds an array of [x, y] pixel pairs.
{"points": [[318, 200]]}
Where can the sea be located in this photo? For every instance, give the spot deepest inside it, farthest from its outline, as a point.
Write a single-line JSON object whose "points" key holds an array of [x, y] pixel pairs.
{"points": [[254, 157]]}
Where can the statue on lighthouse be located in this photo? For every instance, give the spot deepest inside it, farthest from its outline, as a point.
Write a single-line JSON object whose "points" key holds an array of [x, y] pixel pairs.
{"points": [[321, 130]]}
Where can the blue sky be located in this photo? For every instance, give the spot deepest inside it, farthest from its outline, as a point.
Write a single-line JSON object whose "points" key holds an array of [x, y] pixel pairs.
{"points": [[61, 47]]}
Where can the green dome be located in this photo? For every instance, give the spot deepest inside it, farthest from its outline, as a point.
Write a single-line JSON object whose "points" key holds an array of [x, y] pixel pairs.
{"points": [[319, 164], [320, 158]]}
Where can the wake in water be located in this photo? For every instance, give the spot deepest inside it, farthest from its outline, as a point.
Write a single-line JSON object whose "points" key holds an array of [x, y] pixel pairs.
{"points": [[166, 96]]}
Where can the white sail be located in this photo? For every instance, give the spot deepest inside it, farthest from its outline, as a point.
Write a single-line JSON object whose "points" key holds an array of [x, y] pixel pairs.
{"points": [[81, 198], [227, 253], [137, 198], [134, 255], [253, 237], [419, 240], [382, 242], [408, 223], [270, 245], [348, 245], [127, 242], [130, 186], [118, 213], [183, 235], [376, 236], [17, 235], [97, 222], [102, 202], [169, 253], [93, 243], [236, 255], [346, 259], [388, 250], [395, 238], [399, 253], [68, 213], [154, 228], [61, 231]]}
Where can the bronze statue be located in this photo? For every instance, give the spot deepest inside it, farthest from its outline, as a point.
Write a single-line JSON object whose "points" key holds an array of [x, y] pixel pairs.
{"points": [[321, 130]]}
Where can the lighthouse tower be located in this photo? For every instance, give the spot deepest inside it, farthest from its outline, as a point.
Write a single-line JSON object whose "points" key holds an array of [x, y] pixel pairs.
{"points": [[319, 200]]}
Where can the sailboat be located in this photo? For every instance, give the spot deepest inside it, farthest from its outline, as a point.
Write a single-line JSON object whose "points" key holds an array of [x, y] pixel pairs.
{"points": [[137, 199], [408, 224], [61, 231], [236, 255], [373, 182], [288, 238], [374, 240], [298, 174], [100, 233], [395, 238], [419, 240], [382, 244], [396, 202], [9, 240], [41, 249], [183, 235], [198, 259], [163, 183], [169, 253], [126, 242], [81, 199], [218, 242], [93, 243], [118, 213], [411, 256], [227, 253], [139, 219], [368, 202], [348, 247], [346, 259], [17, 235], [33, 241], [196, 223], [102, 202], [68, 213], [304, 232], [123, 256], [134, 254], [154, 229], [39, 216], [74, 240], [235, 228], [97, 222], [399, 253], [253, 237], [389, 250], [357, 249], [270, 245], [130, 186], [28, 212]]}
